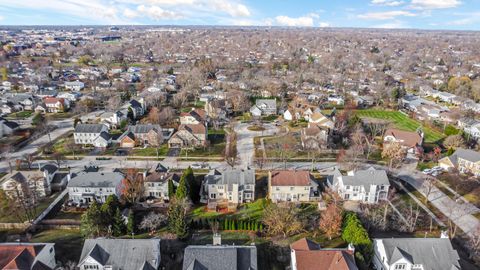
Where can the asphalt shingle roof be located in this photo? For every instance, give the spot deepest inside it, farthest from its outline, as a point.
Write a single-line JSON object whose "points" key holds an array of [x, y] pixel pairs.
{"points": [[96, 179], [220, 258], [431, 253]]}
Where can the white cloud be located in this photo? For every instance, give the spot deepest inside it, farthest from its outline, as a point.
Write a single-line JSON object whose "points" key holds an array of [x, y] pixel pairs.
{"points": [[435, 4], [157, 13], [392, 25], [389, 3], [128, 13], [387, 15], [231, 8], [289, 21], [324, 24], [467, 19]]}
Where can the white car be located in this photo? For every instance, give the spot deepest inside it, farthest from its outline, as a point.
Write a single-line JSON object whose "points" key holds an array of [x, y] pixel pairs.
{"points": [[427, 171], [437, 169]]}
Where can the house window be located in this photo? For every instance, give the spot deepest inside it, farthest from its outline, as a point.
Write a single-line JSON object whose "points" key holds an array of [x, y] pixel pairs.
{"points": [[220, 187], [400, 266], [347, 187], [277, 189], [90, 266], [213, 196], [291, 188]]}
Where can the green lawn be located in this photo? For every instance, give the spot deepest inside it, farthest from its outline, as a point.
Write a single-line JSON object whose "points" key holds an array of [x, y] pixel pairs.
{"points": [[253, 210], [20, 115], [68, 243], [150, 151], [402, 122]]}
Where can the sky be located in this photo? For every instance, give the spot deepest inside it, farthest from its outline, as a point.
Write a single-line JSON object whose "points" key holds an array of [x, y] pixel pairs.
{"points": [[419, 14]]}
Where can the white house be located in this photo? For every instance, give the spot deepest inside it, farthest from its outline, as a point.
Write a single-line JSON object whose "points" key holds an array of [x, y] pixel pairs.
{"points": [[369, 186], [74, 86], [415, 254], [92, 134], [292, 186], [86, 187], [109, 254], [156, 183], [287, 115], [113, 119], [228, 187], [264, 107]]}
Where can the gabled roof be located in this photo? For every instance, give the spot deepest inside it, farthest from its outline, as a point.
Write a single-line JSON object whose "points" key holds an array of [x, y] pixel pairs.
{"points": [[230, 177], [194, 129], [309, 256], [23, 255], [431, 253], [143, 128], [366, 178], [134, 254], [304, 244], [291, 178], [220, 257], [406, 138], [89, 128], [96, 179], [467, 154]]}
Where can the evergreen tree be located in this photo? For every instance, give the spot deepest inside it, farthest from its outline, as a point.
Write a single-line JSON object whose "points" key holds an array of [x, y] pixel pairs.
{"points": [[191, 184], [249, 226], [131, 223], [225, 225], [118, 227], [92, 224], [261, 227], [182, 188], [240, 225], [255, 226], [177, 218], [171, 189], [109, 208]]}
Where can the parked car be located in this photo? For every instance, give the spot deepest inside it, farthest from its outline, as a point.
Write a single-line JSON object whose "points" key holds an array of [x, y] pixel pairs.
{"points": [[427, 171]]}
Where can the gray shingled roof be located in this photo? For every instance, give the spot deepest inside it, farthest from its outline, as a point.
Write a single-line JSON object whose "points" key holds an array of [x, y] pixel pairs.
{"points": [[466, 154], [432, 253], [230, 177], [96, 179], [366, 178], [220, 258], [88, 128], [143, 128], [123, 253]]}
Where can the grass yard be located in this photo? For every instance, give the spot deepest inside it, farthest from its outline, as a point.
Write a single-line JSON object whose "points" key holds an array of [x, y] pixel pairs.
{"points": [[150, 151], [9, 217], [68, 243], [20, 115], [253, 211], [402, 122]]}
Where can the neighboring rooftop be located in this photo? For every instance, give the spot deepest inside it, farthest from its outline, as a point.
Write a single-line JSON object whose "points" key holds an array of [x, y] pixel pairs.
{"points": [[96, 179], [220, 258], [290, 178]]}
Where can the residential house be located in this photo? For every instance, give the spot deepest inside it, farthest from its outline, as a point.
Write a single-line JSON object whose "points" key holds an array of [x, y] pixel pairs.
{"points": [[264, 107], [156, 183], [74, 86], [321, 120], [137, 107], [229, 188], [27, 256], [194, 117], [70, 96], [86, 187], [308, 255], [92, 134], [113, 119], [471, 127], [189, 136], [463, 160], [292, 186], [220, 257], [369, 186], [56, 105], [314, 137], [336, 99], [109, 254], [415, 254], [141, 134], [407, 139], [218, 110], [33, 184], [7, 127]]}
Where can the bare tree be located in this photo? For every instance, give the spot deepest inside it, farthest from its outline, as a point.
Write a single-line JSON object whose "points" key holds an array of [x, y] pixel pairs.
{"points": [[153, 221], [282, 218], [331, 221], [394, 152], [231, 153]]}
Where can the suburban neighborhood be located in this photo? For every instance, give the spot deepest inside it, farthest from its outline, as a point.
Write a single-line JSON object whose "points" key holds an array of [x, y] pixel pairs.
{"points": [[198, 147]]}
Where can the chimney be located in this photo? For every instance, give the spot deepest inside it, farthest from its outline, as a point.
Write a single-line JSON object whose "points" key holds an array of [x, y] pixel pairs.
{"points": [[351, 248], [217, 239]]}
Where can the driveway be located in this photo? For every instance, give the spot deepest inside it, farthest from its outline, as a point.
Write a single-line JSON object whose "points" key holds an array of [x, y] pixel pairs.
{"points": [[245, 145]]}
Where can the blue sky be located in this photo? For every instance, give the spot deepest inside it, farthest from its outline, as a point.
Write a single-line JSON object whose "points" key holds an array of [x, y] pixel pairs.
{"points": [[424, 14]]}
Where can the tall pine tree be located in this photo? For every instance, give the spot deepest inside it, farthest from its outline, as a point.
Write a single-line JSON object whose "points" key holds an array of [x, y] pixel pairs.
{"points": [[118, 226]]}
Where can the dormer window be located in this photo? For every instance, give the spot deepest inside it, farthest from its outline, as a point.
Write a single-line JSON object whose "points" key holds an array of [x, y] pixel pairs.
{"points": [[400, 266]]}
